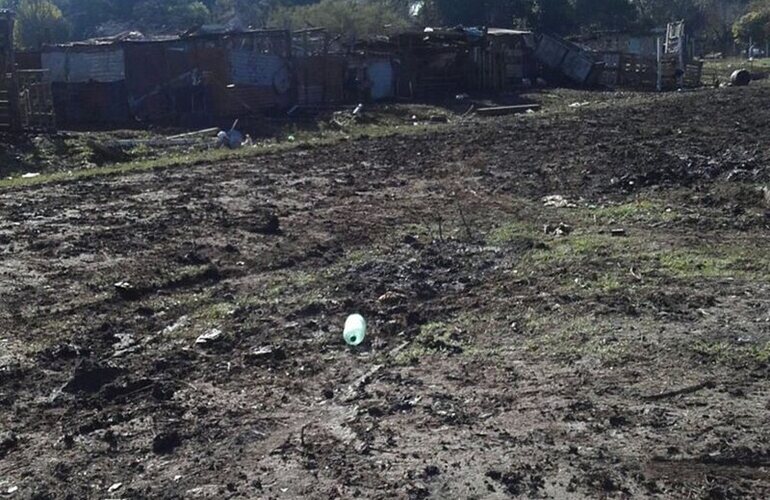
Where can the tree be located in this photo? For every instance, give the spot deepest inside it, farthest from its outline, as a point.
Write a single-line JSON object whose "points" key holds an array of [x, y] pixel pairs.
{"points": [[591, 15], [753, 26], [719, 18], [39, 22], [178, 14], [346, 17], [556, 16], [248, 12]]}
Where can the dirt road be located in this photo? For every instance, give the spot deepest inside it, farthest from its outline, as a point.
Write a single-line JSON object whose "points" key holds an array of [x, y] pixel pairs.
{"points": [[570, 305]]}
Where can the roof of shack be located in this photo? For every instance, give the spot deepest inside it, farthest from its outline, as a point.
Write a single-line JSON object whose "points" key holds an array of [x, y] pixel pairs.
{"points": [[138, 37]]}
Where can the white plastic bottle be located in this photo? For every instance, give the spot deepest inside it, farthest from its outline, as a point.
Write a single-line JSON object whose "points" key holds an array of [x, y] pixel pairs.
{"points": [[355, 329]]}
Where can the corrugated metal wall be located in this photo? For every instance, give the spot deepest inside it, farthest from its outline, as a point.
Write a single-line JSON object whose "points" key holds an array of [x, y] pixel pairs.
{"points": [[76, 66], [320, 79]]}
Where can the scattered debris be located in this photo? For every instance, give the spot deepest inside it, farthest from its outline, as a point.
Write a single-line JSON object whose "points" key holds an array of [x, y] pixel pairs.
{"points": [[740, 78], [211, 336], [558, 201], [115, 487], [560, 229], [618, 232], [265, 354], [127, 291], [30, 175], [197, 133], [507, 110], [181, 322], [232, 139], [125, 344], [579, 104], [709, 384], [391, 298], [355, 330]]}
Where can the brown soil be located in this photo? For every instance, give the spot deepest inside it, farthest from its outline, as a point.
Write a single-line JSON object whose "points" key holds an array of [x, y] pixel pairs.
{"points": [[515, 349]]}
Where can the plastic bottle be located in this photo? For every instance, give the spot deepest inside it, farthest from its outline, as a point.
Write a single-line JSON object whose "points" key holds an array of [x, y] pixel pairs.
{"points": [[355, 329]]}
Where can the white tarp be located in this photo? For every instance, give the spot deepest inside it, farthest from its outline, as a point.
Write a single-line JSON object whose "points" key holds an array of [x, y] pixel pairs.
{"points": [[82, 67]]}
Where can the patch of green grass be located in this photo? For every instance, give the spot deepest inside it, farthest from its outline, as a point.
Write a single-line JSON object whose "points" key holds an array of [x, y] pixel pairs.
{"points": [[511, 231], [437, 337], [608, 283], [636, 211], [732, 354], [721, 69], [573, 249], [297, 283], [688, 264], [761, 354], [216, 312], [218, 155], [717, 261], [575, 338]]}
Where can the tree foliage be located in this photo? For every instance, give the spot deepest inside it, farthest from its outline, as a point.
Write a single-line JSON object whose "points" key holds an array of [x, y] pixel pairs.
{"points": [[346, 17], [754, 26], [716, 22], [39, 22]]}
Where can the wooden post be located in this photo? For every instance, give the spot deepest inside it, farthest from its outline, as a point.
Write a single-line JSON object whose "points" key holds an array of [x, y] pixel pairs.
{"points": [[660, 65], [682, 59], [9, 73]]}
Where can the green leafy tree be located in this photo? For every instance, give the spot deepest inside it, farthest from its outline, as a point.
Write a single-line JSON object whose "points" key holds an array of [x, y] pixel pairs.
{"points": [[176, 14], [753, 26], [346, 17], [605, 14], [39, 22], [557, 16]]}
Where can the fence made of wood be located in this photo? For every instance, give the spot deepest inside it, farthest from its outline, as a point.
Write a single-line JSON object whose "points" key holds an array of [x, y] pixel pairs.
{"points": [[36, 99], [640, 72]]}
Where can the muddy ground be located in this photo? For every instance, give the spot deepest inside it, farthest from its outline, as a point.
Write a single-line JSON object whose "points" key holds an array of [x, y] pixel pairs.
{"points": [[565, 305]]}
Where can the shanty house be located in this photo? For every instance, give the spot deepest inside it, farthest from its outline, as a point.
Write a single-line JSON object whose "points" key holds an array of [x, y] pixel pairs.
{"points": [[188, 80]]}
